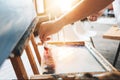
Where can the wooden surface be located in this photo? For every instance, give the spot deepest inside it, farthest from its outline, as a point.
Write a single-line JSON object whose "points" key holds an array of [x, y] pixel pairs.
{"points": [[113, 33], [31, 59], [19, 68], [15, 18], [79, 43], [36, 48]]}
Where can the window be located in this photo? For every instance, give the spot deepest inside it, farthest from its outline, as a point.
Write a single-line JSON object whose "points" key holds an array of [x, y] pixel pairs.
{"points": [[40, 8]]}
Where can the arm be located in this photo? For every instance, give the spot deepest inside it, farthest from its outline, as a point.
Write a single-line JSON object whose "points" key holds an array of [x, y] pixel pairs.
{"points": [[94, 16], [83, 9]]}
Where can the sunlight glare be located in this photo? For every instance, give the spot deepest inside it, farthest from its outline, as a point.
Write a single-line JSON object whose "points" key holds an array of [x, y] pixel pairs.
{"points": [[40, 6], [64, 5]]}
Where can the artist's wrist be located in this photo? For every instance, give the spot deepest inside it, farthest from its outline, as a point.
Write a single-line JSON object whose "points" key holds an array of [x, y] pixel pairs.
{"points": [[60, 23]]}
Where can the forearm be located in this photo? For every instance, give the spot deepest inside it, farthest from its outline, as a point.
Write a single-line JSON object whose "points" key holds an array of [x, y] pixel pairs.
{"points": [[83, 9]]}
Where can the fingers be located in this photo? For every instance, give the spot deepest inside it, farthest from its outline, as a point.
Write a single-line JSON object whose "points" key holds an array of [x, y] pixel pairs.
{"points": [[42, 33], [92, 18], [44, 38]]}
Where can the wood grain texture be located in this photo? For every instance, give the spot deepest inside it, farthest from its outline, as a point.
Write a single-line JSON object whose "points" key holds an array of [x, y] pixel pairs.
{"points": [[15, 18], [36, 48], [31, 59], [19, 68]]}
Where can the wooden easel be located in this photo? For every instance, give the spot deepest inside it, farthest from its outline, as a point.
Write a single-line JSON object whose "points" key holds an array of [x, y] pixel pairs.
{"points": [[18, 23], [16, 60]]}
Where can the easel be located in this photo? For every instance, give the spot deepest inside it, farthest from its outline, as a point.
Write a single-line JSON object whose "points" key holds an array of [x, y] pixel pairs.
{"points": [[16, 60], [19, 22]]}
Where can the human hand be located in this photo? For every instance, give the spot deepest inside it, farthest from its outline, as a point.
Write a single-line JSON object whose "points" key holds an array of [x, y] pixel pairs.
{"points": [[95, 16], [48, 28]]}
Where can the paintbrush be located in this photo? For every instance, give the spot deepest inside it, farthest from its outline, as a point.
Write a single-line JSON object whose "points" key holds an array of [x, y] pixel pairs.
{"points": [[49, 62], [45, 45]]}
